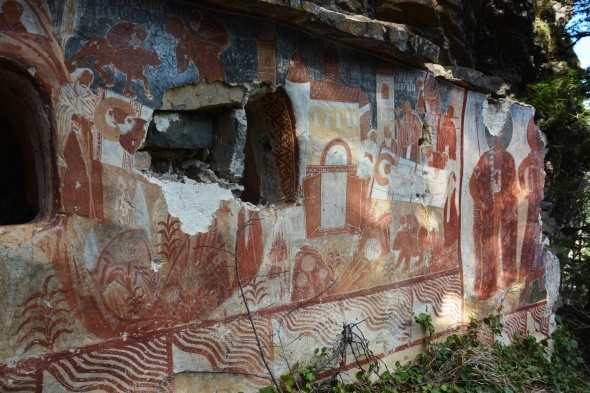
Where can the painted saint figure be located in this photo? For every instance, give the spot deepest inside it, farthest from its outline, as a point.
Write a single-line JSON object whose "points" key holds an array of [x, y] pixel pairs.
{"points": [[82, 186], [369, 153], [200, 44], [409, 132], [421, 105], [451, 212], [10, 17], [446, 140], [388, 142], [494, 189], [531, 177], [120, 129]]}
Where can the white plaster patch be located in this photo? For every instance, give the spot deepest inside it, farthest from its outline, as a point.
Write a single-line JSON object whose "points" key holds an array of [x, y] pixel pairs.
{"points": [[495, 115], [157, 264], [193, 203], [163, 122]]}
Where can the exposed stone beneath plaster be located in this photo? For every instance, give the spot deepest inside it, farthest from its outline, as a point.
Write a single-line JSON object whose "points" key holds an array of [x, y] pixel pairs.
{"points": [[552, 281], [228, 146], [180, 130], [211, 95]]}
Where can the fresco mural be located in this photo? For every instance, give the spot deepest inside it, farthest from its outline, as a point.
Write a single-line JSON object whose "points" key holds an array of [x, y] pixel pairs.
{"points": [[504, 177], [370, 190]]}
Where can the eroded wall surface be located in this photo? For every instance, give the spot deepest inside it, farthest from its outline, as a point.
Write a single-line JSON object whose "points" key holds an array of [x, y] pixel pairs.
{"points": [[377, 190]]}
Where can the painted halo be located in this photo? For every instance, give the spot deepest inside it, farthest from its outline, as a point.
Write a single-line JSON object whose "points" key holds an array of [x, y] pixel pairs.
{"points": [[103, 120]]}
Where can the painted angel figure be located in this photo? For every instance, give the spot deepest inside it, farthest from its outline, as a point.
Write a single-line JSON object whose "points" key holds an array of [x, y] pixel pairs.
{"points": [[200, 43]]}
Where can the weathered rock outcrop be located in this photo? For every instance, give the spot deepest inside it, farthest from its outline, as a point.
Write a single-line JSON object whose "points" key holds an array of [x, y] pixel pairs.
{"points": [[518, 42]]}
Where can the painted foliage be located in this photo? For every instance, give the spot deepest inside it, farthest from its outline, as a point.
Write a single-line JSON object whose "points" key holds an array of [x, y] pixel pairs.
{"points": [[374, 190]]}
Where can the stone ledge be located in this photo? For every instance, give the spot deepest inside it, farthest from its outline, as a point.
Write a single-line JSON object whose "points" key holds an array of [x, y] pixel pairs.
{"points": [[470, 78]]}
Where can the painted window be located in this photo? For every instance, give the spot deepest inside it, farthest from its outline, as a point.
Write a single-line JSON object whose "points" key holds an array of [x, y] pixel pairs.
{"points": [[385, 92]]}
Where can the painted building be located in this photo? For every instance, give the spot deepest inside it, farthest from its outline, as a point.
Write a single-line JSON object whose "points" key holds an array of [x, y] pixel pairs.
{"points": [[174, 170]]}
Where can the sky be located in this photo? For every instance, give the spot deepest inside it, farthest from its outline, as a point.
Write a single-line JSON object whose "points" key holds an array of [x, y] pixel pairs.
{"points": [[582, 49]]}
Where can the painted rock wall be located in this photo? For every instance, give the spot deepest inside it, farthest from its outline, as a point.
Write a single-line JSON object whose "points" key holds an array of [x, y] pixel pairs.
{"points": [[368, 190]]}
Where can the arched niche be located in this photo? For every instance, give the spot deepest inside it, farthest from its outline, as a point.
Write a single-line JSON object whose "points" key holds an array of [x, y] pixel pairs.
{"points": [[271, 152], [26, 170]]}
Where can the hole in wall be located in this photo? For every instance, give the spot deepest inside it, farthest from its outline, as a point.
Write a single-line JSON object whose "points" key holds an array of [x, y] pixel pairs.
{"points": [[251, 150], [193, 145]]}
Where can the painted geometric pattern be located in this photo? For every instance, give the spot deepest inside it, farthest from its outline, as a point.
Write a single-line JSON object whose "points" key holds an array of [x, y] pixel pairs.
{"points": [[145, 364]]}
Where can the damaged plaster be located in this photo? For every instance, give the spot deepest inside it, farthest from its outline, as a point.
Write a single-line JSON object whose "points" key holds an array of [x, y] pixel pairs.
{"points": [[495, 113], [194, 204], [209, 158]]}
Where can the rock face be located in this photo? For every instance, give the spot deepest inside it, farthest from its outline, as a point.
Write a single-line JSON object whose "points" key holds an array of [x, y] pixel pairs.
{"points": [[492, 36], [515, 41], [299, 166]]}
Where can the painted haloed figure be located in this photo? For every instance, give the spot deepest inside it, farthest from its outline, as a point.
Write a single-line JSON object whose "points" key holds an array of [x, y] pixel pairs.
{"points": [[494, 189], [531, 177], [10, 17], [369, 150], [409, 131], [446, 140], [451, 212], [388, 142], [82, 185]]}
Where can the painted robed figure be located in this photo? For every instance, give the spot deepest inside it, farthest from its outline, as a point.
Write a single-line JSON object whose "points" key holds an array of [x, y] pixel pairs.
{"points": [[531, 177], [494, 188]]}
